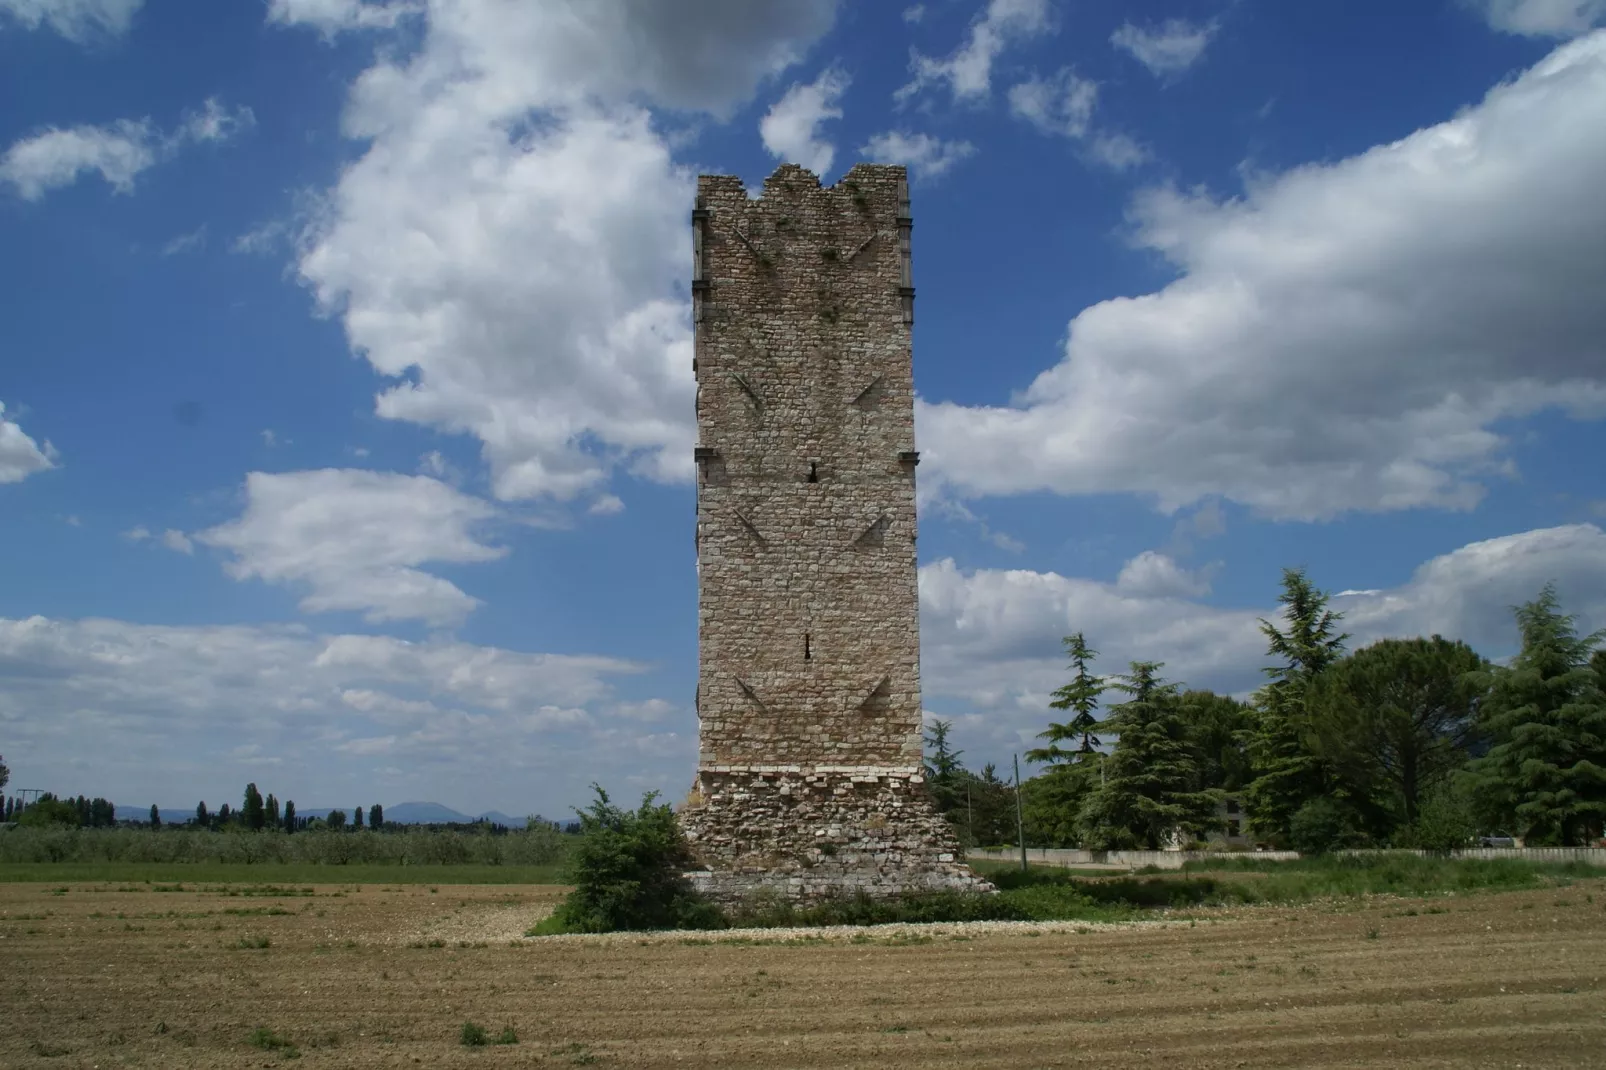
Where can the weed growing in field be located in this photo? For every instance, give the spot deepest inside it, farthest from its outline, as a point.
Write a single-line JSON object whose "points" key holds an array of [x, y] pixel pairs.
{"points": [[473, 1036], [266, 1039], [579, 1054], [507, 1036], [254, 943]]}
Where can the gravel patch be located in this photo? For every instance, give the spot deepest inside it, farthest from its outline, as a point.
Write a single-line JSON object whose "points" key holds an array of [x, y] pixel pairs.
{"points": [[896, 932]]}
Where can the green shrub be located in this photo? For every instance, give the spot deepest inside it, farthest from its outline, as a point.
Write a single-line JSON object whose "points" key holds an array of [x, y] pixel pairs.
{"points": [[628, 871], [473, 1036], [1323, 825], [1444, 823]]}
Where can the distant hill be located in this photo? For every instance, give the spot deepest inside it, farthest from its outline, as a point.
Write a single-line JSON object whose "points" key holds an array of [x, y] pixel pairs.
{"points": [[407, 813]]}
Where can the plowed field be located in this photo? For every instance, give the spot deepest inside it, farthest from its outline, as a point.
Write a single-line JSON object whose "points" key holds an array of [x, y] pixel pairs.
{"points": [[108, 975]]}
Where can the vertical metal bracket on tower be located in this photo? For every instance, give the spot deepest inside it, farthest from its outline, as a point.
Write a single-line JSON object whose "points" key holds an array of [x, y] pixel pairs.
{"points": [[906, 284], [699, 278]]}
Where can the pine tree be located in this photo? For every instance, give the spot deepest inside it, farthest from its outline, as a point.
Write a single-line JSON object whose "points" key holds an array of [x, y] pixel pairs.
{"points": [[156, 817], [376, 816], [253, 814], [1393, 720], [1288, 774], [1081, 696], [1545, 773], [943, 771], [356, 817], [1149, 794], [289, 815], [271, 817]]}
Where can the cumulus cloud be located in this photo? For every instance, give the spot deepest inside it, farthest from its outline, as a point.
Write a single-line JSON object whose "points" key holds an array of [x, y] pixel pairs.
{"points": [[20, 455], [80, 21], [967, 72], [990, 638], [356, 540], [119, 151], [1343, 336], [512, 243], [1542, 18], [790, 130], [926, 157], [1167, 49], [1063, 105], [142, 707], [177, 541], [334, 16], [1156, 575]]}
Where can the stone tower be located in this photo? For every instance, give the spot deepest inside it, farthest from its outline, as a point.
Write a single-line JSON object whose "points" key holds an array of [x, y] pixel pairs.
{"points": [[809, 773]]}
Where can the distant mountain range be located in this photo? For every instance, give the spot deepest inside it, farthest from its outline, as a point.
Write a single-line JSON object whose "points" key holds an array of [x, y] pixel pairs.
{"points": [[407, 813]]}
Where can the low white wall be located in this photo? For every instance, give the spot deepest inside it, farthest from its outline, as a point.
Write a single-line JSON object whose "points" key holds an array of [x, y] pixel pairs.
{"points": [[1070, 858]]}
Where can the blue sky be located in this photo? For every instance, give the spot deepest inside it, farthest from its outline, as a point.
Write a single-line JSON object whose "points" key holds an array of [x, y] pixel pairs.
{"points": [[347, 427]]}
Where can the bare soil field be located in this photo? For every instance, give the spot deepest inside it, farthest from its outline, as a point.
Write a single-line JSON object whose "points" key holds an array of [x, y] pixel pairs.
{"points": [[110, 974]]}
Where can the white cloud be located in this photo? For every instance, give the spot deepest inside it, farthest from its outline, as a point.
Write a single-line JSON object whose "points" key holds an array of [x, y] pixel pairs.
{"points": [[513, 238], [158, 713], [262, 239], [1168, 49], [607, 505], [357, 539], [137, 533], [194, 241], [1342, 337], [214, 122], [791, 128], [1153, 574], [268, 437], [914, 13], [177, 541], [20, 455], [968, 71], [119, 151], [1542, 18], [334, 16], [924, 155], [1064, 105], [56, 157], [80, 21], [990, 639]]}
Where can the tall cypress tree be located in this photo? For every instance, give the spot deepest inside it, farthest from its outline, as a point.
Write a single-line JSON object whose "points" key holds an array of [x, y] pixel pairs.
{"points": [[1150, 792], [289, 815], [1287, 773], [1545, 773], [376, 816], [1081, 698], [356, 817], [271, 816], [156, 817], [253, 813]]}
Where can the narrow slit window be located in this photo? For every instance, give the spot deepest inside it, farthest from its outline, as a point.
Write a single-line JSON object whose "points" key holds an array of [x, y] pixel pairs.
{"points": [[807, 654], [814, 472]]}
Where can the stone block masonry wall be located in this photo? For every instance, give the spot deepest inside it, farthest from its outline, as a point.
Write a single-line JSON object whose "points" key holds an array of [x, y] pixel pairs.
{"points": [[808, 619]]}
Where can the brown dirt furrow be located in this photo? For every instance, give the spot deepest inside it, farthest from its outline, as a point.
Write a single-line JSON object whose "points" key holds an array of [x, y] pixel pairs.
{"points": [[108, 975]]}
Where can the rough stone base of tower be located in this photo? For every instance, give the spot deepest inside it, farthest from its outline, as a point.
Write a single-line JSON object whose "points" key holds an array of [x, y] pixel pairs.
{"points": [[820, 834]]}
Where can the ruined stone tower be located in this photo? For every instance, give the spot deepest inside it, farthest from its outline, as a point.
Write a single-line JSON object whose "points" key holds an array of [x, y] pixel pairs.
{"points": [[809, 773]]}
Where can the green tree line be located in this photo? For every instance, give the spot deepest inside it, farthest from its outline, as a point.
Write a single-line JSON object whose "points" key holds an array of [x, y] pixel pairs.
{"points": [[1407, 742]]}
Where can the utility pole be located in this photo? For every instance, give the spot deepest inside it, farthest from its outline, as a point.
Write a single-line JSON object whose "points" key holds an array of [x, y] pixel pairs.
{"points": [[1020, 821]]}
